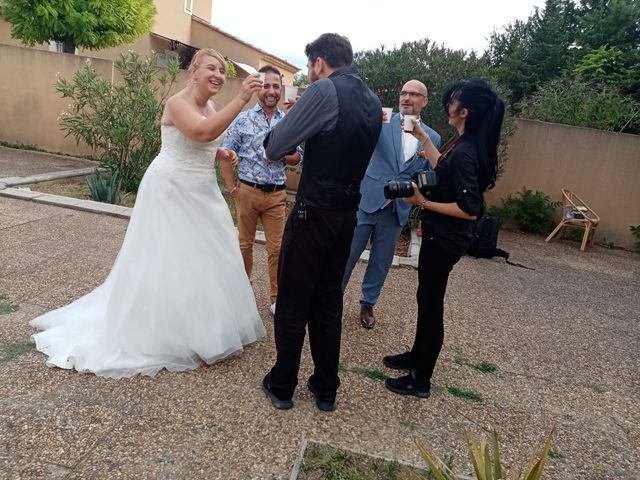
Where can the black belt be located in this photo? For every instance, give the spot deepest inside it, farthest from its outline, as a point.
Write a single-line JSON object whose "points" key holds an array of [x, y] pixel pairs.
{"points": [[269, 187]]}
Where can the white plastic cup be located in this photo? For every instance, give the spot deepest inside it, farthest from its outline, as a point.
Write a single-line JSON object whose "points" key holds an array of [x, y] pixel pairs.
{"points": [[387, 111], [290, 92], [408, 122]]}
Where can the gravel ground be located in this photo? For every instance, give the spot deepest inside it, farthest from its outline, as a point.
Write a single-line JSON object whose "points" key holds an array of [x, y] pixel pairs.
{"points": [[564, 338]]}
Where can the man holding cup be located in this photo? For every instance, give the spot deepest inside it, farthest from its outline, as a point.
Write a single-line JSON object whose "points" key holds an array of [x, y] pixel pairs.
{"points": [[339, 120], [260, 192], [397, 156]]}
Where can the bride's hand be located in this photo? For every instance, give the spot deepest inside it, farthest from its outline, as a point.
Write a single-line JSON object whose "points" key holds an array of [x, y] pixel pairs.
{"points": [[229, 156], [252, 84]]}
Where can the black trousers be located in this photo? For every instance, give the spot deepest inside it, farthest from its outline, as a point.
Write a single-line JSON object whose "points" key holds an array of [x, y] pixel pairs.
{"points": [[434, 265], [312, 261]]}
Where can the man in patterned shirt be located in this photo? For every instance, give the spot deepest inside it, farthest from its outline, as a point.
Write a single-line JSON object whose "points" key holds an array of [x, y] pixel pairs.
{"points": [[260, 193]]}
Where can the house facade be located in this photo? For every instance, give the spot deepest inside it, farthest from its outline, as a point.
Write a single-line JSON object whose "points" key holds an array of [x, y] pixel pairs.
{"points": [[181, 27], [31, 106]]}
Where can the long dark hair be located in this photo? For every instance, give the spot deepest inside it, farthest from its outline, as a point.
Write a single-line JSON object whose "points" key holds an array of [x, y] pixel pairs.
{"points": [[483, 124]]}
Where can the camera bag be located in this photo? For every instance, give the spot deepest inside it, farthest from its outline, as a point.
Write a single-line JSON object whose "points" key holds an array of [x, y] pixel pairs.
{"points": [[484, 240]]}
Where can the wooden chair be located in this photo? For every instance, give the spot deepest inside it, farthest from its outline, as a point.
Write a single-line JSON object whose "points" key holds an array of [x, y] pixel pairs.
{"points": [[576, 213]]}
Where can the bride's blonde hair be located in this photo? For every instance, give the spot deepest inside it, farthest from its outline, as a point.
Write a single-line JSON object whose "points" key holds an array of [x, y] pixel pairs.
{"points": [[206, 52]]}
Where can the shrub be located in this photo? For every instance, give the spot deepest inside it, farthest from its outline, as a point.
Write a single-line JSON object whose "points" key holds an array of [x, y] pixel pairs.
{"points": [[231, 69], [486, 462], [120, 122], [532, 211], [105, 187], [573, 234], [576, 102], [412, 220], [635, 231]]}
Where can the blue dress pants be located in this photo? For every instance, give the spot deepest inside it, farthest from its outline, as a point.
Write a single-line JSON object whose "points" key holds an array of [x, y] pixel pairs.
{"points": [[383, 229]]}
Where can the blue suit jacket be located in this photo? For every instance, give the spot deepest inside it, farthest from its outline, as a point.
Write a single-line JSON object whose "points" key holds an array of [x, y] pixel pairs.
{"points": [[387, 163]]}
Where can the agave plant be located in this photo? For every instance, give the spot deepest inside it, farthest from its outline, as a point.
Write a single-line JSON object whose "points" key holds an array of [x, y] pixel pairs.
{"points": [[486, 462], [105, 187]]}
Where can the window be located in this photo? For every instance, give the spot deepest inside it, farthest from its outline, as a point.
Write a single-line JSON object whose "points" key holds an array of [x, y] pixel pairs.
{"points": [[188, 6], [55, 46]]}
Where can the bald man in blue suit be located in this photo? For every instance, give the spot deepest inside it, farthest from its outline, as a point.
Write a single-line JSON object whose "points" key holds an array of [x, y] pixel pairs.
{"points": [[396, 157]]}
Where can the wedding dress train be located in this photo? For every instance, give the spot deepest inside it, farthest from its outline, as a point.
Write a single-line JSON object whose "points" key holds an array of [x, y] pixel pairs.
{"points": [[177, 294]]}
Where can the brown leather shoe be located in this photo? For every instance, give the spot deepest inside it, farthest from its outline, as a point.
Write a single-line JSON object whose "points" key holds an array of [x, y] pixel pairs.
{"points": [[367, 320]]}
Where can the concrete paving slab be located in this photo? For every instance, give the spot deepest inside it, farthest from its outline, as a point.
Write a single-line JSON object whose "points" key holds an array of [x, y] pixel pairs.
{"points": [[47, 177], [104, 208], [57, 200], [19, 193], [23, 163]]}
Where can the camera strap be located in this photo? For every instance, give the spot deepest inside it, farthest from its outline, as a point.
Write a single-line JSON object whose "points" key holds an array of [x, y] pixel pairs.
{"points": [[445, 151]]}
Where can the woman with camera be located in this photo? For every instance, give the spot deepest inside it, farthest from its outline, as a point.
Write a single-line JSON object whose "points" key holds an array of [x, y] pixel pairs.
{"points": [[465, 169]]}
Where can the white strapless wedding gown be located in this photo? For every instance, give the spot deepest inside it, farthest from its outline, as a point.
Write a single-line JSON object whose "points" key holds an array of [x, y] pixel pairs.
{"points": [[177, 294]]}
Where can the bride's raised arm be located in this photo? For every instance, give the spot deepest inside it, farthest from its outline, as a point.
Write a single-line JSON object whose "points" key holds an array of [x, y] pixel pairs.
{"points": [[200, 126]]}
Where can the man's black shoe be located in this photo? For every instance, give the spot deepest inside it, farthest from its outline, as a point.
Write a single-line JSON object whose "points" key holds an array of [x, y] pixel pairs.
{"points": [[367, 320], [409, 385], [325, 404], [402, 361], [275, 401]]}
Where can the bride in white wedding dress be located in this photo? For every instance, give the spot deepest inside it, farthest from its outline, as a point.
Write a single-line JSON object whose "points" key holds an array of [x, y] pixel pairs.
{"points": [[177, 294]]}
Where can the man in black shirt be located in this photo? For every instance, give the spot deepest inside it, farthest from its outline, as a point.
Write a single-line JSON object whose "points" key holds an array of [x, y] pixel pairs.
{"points": [[339, 118]]}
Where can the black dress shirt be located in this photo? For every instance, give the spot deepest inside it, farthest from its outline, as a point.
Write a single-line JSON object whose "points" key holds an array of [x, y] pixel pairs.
{"points": [[457, 173]]}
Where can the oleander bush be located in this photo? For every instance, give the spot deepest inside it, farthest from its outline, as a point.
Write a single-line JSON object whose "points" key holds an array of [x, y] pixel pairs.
{"points": [[120, 120]]}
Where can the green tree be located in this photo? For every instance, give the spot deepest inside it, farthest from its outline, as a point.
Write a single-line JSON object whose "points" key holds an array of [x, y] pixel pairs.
{"points": [[507, 54], [90, 24], [385, 71], [300, 80], [609, 22], [596, 38], [572, 101], [231, 69], [527, 54], [609, 36], [603, 65]]}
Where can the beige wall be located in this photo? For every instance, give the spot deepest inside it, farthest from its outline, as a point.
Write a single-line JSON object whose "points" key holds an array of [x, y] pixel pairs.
{"points": [[30, 103], [202, 9], [6, 39], [602, 168], [142, 45], [31, 106], [171, 20]]}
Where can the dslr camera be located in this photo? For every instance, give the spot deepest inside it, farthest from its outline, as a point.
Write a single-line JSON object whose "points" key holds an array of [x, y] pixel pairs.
{"points": [[424, 179]]}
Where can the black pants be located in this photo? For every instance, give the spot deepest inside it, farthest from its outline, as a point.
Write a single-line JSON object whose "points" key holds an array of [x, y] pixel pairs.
{"points": [[312, 262], [434, 266]]}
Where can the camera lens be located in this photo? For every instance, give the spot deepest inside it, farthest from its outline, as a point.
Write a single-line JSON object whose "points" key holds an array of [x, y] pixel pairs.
{"points": [[391, 190], [398, 189]]}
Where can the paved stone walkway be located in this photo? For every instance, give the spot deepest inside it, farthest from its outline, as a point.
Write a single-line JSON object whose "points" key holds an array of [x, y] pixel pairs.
{"points": [[24, 163], [564, 338]]}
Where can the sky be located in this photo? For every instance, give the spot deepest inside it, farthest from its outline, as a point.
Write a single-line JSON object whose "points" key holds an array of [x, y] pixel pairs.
{"points": [[283, 28]]}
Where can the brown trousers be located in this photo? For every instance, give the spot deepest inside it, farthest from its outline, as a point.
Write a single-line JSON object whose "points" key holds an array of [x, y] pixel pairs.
{"points": [[252, 205]]}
